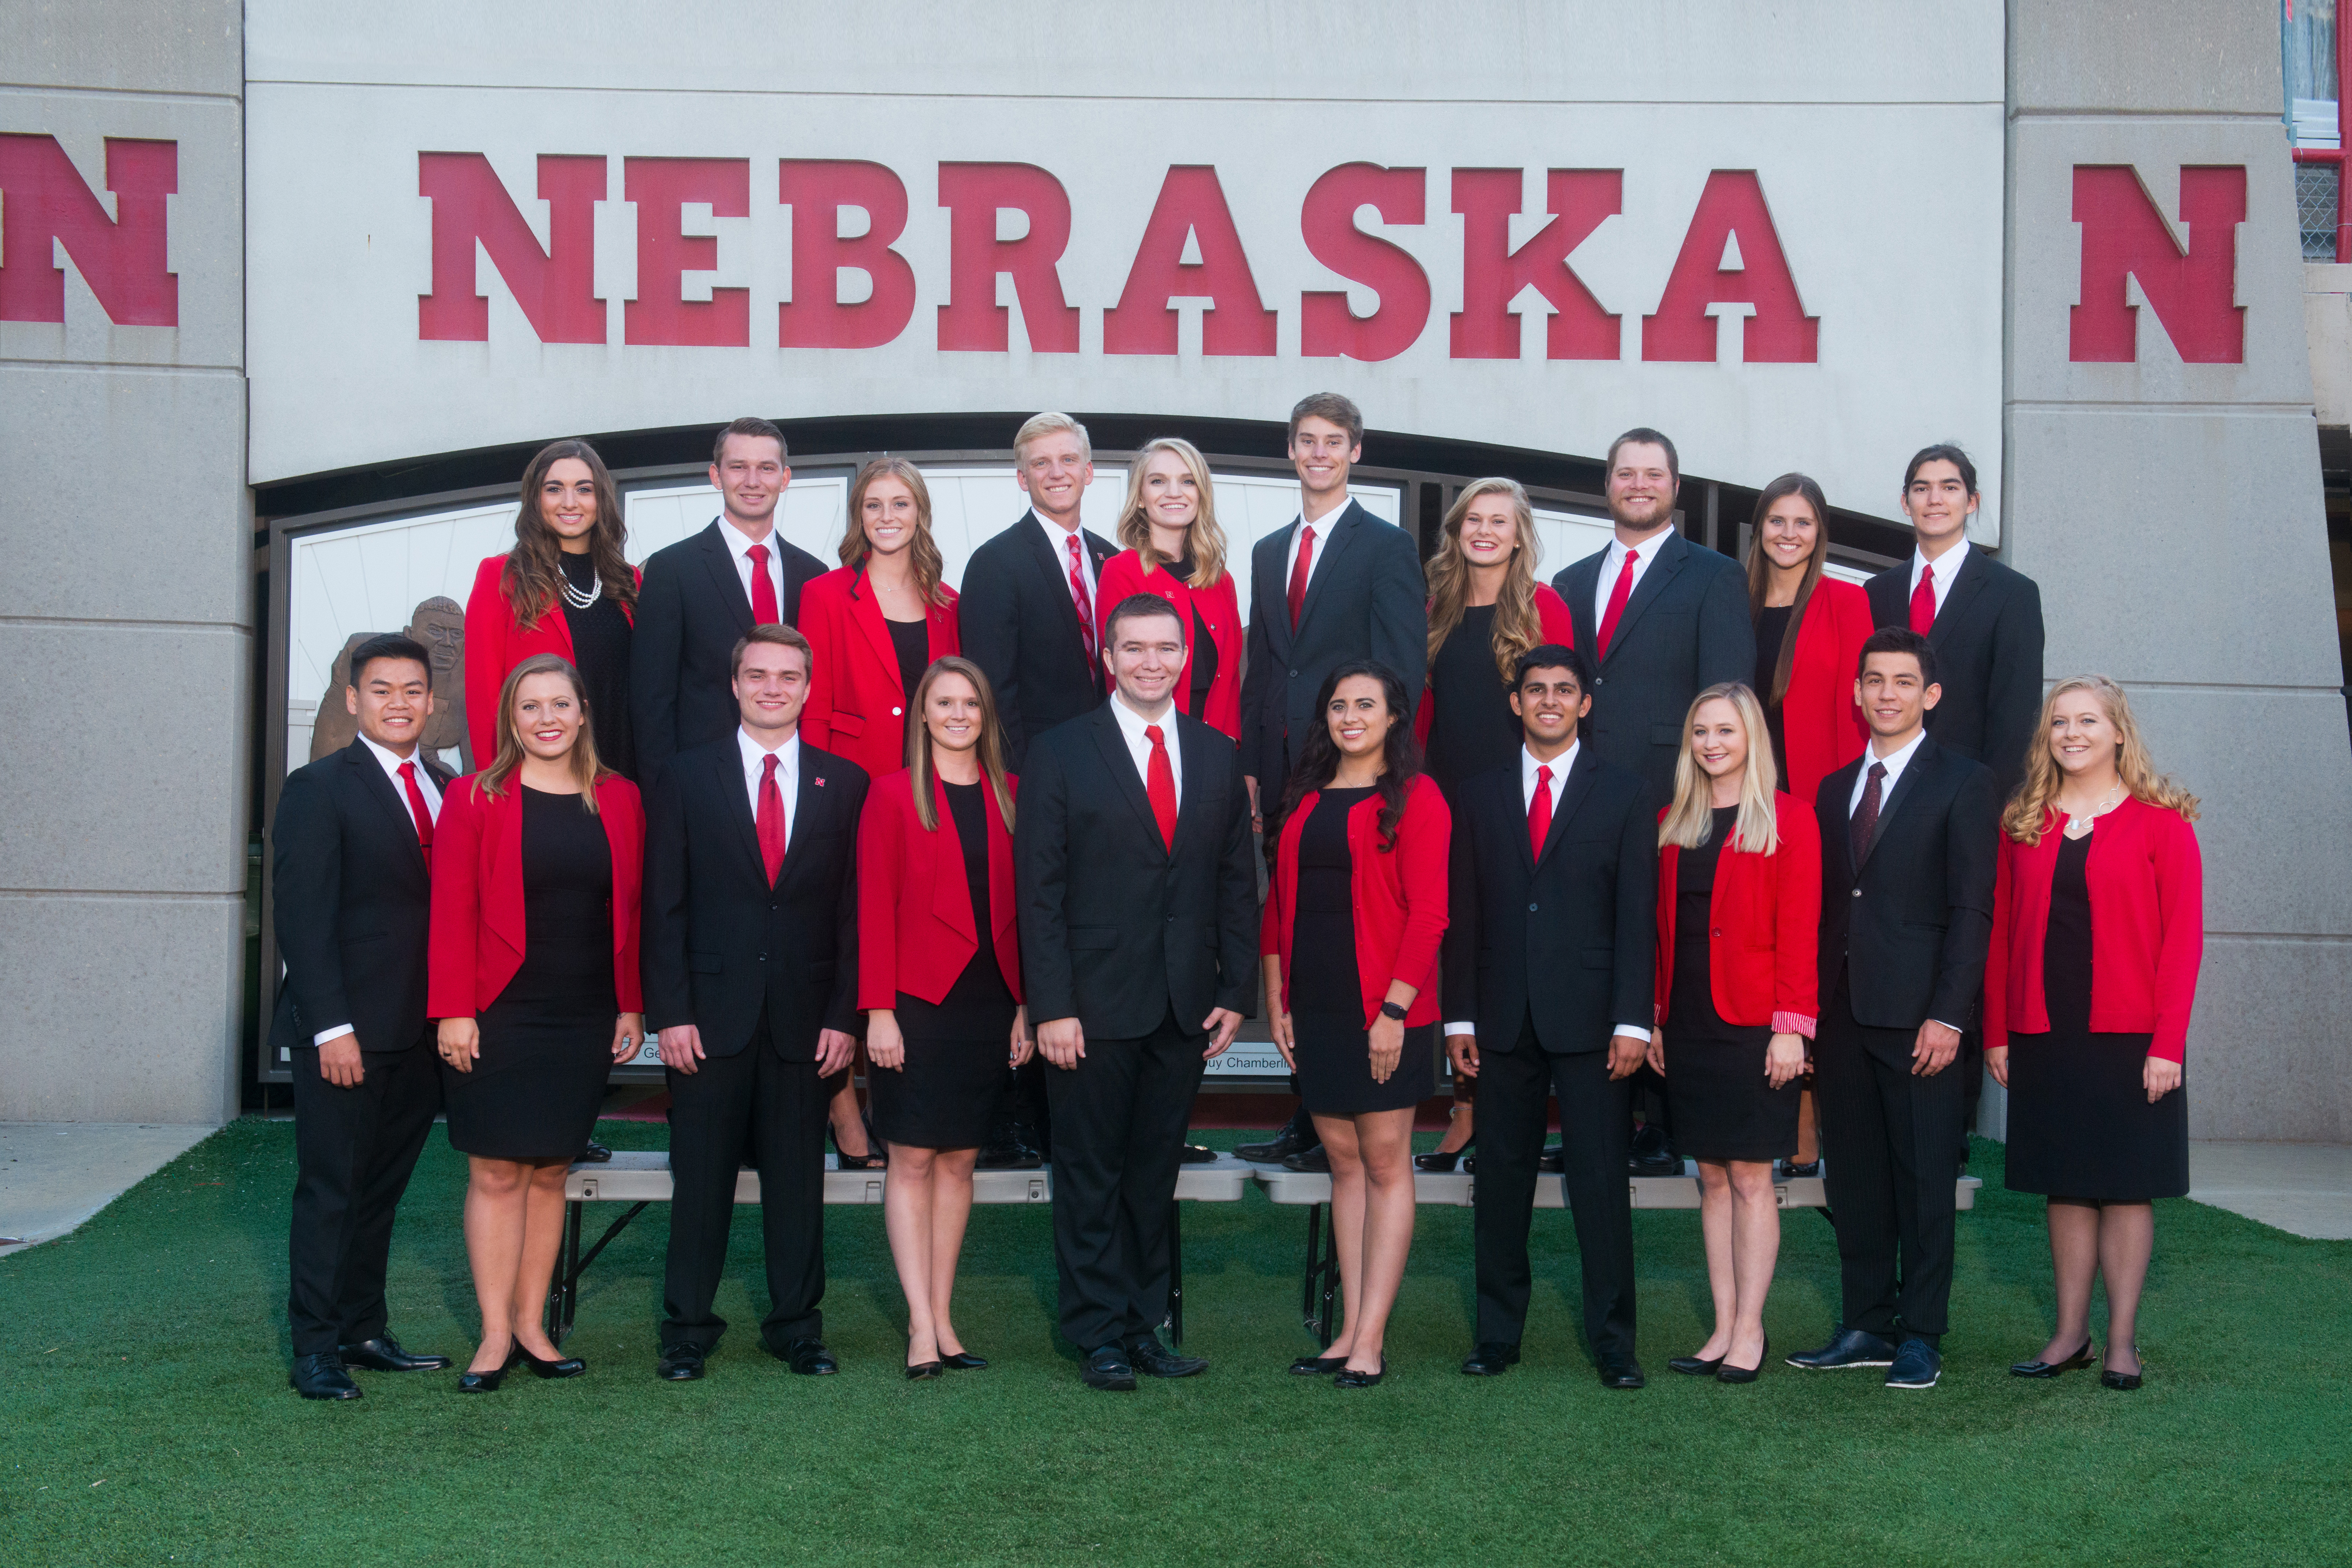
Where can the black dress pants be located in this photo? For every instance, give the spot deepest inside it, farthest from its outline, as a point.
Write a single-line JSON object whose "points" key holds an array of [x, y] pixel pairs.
{"points": [[1120, 1117], [353, 1151], [1595, 1121], [1891, 1139], [757, 1103]]}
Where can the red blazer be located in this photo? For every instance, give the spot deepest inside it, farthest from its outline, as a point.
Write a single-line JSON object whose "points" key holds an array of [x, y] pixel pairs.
{"points": [[496, 642], [1400, 897], [1559, 627], [1763, 933], [1220, 606], [1823, 722], [477, 937], [857, 703], [2147, 928], [914, 904]]}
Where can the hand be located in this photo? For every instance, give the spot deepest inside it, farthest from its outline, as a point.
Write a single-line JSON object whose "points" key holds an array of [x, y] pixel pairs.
{"points": [[1286, 1038], [1997, 1064], [630, 1029], [1386, 1038], [1222, 1024], [1625, 1054], [1062, 1041], [460, 1043], [2160, 1077], [340, 1062], [1934, 1050], [1257, 820], [681, 1048], [834, 1048], [1462, 1051], [1656, 1055], [884, 1046], [1784, 1060], [1024, 1044]]}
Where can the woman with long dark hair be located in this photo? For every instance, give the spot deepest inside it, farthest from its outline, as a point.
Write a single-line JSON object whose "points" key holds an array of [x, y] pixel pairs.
{"points": [[1354, 914], [567, 588], [1175, 548]]}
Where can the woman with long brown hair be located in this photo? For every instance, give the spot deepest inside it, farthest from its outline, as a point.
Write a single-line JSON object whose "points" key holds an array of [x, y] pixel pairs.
{"points": [[939, 977], [2098, 930], [566, 588], [537, 865], [1175, 548]]}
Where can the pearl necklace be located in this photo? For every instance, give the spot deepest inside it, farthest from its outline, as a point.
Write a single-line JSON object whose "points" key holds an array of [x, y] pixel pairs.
{"points": [[574, 597]]}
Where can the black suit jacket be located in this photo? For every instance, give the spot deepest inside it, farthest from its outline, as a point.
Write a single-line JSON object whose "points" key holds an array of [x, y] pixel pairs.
{"points": [[720, 943], [1987, 642], [692, 610], [352, 904], [1910, 927], [1115, 926], [1569, 939], [1684, 629], [1366, 599], [1019, 625]]}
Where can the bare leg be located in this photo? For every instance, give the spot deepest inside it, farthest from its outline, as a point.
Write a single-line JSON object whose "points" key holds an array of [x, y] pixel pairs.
{"points": [[1809, 1131], [1461, 1125], [2074, 1260], [495, 1193], [1715, 1224], [950, 1211], [1754, 1251], [848, 1121], [1338, 1133], [906, 1216], [2126, 1241], [543, 1238], [1384, 1146]]}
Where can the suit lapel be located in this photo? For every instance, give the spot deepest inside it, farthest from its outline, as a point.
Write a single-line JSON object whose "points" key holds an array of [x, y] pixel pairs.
{"points": [[1921, 760], [1121, 763], [1973, 575], [1269, 595], [1583, 579], [724, 577], [1329, 546], [727, 777], [1572, 792], [1192, 745], [1672, 548], [866, 611], [377, 787]]}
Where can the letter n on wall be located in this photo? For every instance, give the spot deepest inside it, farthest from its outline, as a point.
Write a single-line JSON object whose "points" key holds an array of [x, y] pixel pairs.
{"points": [[120, 257], [2192, 293]]}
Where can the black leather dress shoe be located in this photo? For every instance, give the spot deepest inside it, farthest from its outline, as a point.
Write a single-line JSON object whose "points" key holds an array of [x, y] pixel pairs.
{"points": [[1916, 1366], [1794, 1170], [1847, 1347], [1441, 1162], [487, 1382], [964, 1361], [1553, 1161], [1491, 1360], [810, 1358], [1106, 1367], [1620, 1371], [1296, 1136], [1149, 1356], [1351, 1378], [1196, 1154], [2082, 1357], [383, 1353], [1652, 1154], [561, 1367], [322, 1376], [1727, 1372], [595, 1153], [1316, 1161], [1695, 1366], [680, 1364], [1009, 1152]]}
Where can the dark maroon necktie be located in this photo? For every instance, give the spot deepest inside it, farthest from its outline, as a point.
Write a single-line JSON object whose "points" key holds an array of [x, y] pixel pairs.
{"points": [[1865, 816]]}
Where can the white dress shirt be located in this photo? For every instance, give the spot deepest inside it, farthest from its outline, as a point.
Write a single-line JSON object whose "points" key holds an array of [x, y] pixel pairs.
{"points": [[1614, 563], [1528, 784], [1948, 567], [426, 787], [1138, 744], [738, 544], [1058, 538], [788, 774], [1322, 527], [1896, 764]]}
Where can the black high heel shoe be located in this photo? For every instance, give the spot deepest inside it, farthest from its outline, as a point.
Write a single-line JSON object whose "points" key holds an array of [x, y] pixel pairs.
{"points": [[2082, 1357], [1440, 1162], [560, 1367], [1729, 1374], [1351, 1378], [487, 1382], [873, 1159], [964, 1361]]}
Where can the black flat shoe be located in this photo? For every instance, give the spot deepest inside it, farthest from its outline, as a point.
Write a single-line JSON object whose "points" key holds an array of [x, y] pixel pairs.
{"points": [[561, 1367], [964, 1361], [2082, 1357], [1729, 1374], [487, 1382], [1695, 1365], [1351, 1378], [924, 1370], [2122, 1382], [1317, 1365]]}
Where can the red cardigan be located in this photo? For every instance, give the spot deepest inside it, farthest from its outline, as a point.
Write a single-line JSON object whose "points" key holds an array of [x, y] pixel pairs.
{"points": [[496, 642], [1764, 928], [1823, 722], [2147, 928], [856, 702], [914, 903], [1559, 627], [478, 938], [1399, 898], [1219, 605]]}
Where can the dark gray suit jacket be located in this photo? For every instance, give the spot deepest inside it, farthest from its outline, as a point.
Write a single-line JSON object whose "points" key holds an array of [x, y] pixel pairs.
{"points": [[1988, 642], [1017, 621]]}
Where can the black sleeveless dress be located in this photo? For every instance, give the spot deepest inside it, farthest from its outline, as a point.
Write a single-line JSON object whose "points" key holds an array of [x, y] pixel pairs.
{"points": [[1723, 1106], [1771, 630], [1474, 730], [1327, 994], [600, 647], [547, 1040]]}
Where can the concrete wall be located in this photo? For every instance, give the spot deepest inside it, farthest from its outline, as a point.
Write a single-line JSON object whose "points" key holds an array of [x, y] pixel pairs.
{"points": [[2172, 513], [126, 625]]}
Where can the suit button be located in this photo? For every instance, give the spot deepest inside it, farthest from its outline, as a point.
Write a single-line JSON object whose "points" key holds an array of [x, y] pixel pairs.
{"points": [[1857, 892], [763, 958], [896, 712], [1171, 920], [1716, 932], [1294, 674], [1531, 909]]}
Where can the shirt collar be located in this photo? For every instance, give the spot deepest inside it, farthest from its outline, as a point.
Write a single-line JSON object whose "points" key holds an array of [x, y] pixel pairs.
{"points": [[787, 755], [1056, 533], [393, 761], [739, 543], [1132, 723], [1558, 764], [1898, 762], [1947, 565]]}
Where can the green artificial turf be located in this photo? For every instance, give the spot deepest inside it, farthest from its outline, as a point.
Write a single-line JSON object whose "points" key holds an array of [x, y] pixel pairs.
{"points": [[146, 1417]]}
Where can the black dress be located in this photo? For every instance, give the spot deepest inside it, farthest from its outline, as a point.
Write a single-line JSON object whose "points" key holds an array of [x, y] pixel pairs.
{"points": [[2079, 1122], [1474, 730], [1327, 994], [1202, 668], [1723, 1106], [1771, 630], [547, 1040], [945, 1096], [600, 647], [911, 640]]}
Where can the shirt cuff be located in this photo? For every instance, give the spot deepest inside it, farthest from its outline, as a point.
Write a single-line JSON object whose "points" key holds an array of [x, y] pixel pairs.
{"points": [[1953, 1027], [1462, 1028], [1636, 1030], [324, 1035]]}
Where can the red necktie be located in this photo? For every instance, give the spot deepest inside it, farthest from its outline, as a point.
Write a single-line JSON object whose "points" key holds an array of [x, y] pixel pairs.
{"points": [[1539, 813], [418, 810], [1078, 597], [1923, 602], [770, 820], [764, 598], [1159, 783], [1617, 597], [1298, 571]]}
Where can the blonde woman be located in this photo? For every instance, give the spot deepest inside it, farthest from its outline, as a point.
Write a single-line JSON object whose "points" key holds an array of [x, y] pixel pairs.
{"points": [[1740, 898], [2098, 929], [536, 863], [1175, 547]]}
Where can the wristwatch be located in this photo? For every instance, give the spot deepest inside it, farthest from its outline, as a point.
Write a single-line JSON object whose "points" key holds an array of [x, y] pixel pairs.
{"points": [[1391, 1010]]}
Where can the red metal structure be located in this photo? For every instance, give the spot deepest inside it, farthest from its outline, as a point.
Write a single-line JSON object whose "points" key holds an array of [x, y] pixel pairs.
{"points": [[2336, 154]]}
